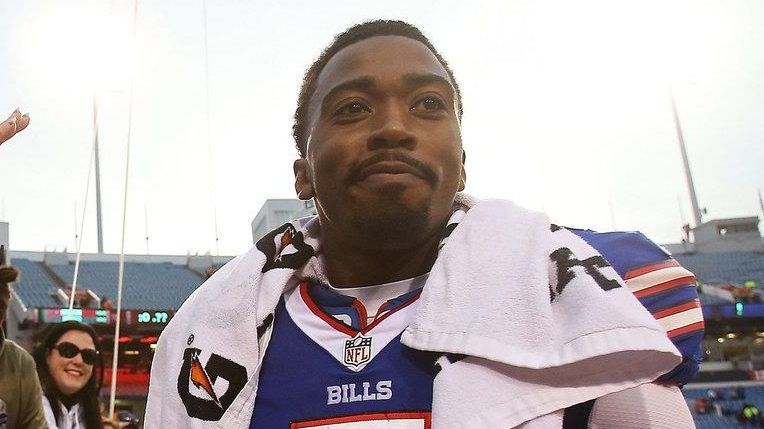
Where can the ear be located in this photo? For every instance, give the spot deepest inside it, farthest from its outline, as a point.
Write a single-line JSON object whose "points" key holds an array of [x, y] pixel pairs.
{"points": [[463, 180], [302, 180]]}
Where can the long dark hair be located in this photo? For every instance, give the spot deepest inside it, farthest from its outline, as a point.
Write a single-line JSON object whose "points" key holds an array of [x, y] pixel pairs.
{"points": [[87, 397]]}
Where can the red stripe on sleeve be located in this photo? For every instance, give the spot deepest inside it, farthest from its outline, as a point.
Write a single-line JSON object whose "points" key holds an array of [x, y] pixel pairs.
{"points": [[650, 268], [697, 326], [677, 309], [660, 287]]}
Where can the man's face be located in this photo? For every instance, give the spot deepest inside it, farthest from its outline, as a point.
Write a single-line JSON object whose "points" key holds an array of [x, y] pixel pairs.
{"points": [[384, 153]]}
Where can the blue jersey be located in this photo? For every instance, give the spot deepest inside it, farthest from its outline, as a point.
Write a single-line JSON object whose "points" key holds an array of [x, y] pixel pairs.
{"points": [[326, 367], [665, 289]]}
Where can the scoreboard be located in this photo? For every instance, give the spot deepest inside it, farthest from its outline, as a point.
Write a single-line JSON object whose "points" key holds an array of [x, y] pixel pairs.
{"points": [[85, 315], [92, 316], [157, 317]]}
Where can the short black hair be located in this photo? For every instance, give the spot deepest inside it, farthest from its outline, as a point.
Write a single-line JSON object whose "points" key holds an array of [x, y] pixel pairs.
{"points": [[356, 33]]}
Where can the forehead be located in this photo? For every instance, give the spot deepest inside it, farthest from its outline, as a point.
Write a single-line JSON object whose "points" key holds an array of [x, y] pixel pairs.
{"points": [[78, 338], [381, 58]]}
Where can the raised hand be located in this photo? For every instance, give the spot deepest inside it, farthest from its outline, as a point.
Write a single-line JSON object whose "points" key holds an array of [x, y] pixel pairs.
{"points": [[14, 124]]}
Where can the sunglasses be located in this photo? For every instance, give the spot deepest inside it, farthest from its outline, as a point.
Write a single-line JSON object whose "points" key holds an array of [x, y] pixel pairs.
{"points": [[69, 351]]}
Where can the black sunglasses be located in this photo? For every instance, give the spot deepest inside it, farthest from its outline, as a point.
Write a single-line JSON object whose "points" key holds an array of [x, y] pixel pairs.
{"points": [[69, 351]]}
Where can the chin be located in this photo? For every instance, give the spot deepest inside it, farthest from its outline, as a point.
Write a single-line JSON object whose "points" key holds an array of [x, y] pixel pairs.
{"points": [[392, 222], [70, 391], [72, 388]]}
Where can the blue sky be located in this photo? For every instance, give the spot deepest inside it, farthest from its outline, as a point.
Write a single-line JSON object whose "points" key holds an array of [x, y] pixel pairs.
{"points": [[566, 110]]}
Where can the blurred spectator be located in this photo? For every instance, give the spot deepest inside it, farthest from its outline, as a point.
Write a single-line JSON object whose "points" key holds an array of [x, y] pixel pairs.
{"points": [[110, 424], [712, 395], [67, 361], [751, 414], [739, 392], [20, 394], [210, 271], [127, 419], [106, 303], [701, 405]]}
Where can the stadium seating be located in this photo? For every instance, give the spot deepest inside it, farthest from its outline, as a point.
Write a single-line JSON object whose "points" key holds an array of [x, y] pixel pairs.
{"points": [[35, 288], [753, 395], [729, 267], [706, 299], [158, 286], [710, 421]]}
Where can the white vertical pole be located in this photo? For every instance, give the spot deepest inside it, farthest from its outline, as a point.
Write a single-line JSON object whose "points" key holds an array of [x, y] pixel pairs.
{"points": [[82, 230], [120, 283], [612, 215], [146, 225], [210, 163], [76, 233]]}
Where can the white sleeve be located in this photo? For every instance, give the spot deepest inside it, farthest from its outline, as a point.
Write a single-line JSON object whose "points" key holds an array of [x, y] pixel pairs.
{"points": [[648, 406]]}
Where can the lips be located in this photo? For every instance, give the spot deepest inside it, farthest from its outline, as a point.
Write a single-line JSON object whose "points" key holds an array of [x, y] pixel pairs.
{"points": [[74, 372], [388, 167]]}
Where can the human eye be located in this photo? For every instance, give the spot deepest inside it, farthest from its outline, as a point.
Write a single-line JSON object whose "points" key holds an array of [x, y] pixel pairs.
{"points": [[351, 110], [429, 104]]}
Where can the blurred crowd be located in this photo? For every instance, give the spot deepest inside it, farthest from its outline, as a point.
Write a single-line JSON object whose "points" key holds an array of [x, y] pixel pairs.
{"points": [[713, 403]]}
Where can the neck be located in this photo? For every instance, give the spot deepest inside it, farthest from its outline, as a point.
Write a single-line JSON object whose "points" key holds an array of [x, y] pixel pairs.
{"points": [[349, 265], [68, 400]]}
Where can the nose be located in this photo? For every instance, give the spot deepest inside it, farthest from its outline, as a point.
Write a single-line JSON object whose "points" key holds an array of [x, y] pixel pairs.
{"points": [[391, 128]]}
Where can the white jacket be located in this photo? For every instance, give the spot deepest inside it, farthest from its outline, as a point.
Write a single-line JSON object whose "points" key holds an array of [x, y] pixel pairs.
{"points": [[70, 419]]}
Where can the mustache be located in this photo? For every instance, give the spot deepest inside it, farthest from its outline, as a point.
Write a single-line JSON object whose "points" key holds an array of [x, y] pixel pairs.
{"points": [[424, 170]]}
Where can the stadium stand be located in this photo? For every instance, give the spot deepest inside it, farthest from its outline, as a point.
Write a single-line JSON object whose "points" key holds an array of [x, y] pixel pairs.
{"points": [[729, 404], [35, 287], [733, 340], [727, 267], [147, 285], [706, 299], [710, 421]]}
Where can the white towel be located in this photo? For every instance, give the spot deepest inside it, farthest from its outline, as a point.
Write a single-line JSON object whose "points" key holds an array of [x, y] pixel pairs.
{"points": [[487, 297], [534, 344]]}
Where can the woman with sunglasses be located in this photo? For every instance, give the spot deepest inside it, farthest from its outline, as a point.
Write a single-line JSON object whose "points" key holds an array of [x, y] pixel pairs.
{"points": [[66, 363]]}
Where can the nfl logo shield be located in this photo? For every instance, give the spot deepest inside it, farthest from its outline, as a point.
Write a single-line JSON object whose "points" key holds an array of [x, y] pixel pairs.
{"points": [[357, 351]]}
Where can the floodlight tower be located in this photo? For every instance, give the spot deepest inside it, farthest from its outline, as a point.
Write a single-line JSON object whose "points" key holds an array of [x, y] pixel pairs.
{"points": [[686, 163], [97, 175]]}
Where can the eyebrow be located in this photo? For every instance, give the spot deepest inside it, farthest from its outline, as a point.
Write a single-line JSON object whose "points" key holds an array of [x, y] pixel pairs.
{"points": [[360, 83], [365, 83], [421, 79]]}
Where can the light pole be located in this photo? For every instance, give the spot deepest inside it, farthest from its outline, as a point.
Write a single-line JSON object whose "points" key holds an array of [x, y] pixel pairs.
{"points": [[686, 163]]}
